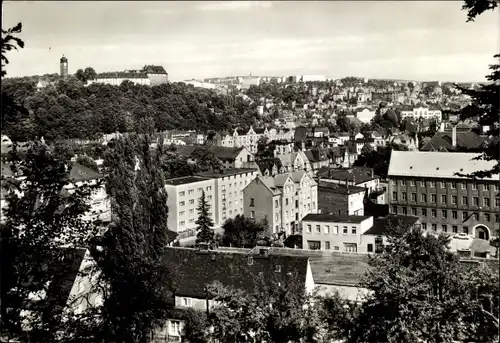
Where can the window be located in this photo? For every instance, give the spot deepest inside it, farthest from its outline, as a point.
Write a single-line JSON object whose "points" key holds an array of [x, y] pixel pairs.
{"points": [[464, 200], [277, 268], [454, 214], [453, 185], [444, 228], [252, 214], [497, 218], [191, 201], [327, 245], [353, 230], [318, 228], [463, 185], [394, 209], [476, 216], [434, 227], [444, 214], [191, 211], [412, 183], [181, 213], [466, 230], [497, 202], [181, 194], [182, 223], [404, 196], [474, 186], [475, 201], [249, 260], [487, 217], [414, 197], [486, 202], [175, 328], [423, 197], [286, 201], [443, 199], [252, 202], [395, 196], [454, 228], [496, 187], [403, 182], [433, 198], [186, 301], [424, 226], [209, 188], [335, 230], [413, 211], [443, 184], [432, 184], [344, 230], [422, 183], [209, 197], [433, 213], [350, 247], [191, 191], [276, 203], [309, 229], [182, 203], [464, 215], [453, 199], [405, 211], [394, 182], [424, 212], [327, 229]]}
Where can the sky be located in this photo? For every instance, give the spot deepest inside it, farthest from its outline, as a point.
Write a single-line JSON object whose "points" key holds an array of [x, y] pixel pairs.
{"points": [[410, 40]]}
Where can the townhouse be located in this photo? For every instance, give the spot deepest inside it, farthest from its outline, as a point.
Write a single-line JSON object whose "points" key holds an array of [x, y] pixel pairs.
{"points": [[426, 184], [283, 200]]}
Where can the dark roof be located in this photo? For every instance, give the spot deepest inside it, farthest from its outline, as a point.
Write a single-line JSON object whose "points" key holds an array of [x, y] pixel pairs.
{"points": [[443, 140], [185, 180], [80, 173], [193, 269], [357, 175], [331, 218], [151, 69], [122, 75], [222, 153], [339, 188], [381, 225], [63, 59], [259, 131], [226, 172]]}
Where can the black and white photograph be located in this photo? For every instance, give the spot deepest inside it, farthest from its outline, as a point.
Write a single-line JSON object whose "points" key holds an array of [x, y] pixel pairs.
{"points": [[250, 171]]}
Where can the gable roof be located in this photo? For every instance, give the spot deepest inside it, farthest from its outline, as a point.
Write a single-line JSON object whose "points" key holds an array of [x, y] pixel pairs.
{"points": [[437, 164], [194, 269], [467, 140], [382, 225], [339, 188], [357, 175], [80, 173]]}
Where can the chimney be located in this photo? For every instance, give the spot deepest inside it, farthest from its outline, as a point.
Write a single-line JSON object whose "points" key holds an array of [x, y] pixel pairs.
{"points": [[454, 136]]}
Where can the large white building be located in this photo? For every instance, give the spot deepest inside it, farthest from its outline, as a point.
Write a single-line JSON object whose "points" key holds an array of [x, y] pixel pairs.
{"points": [[249, 139], [149, 76], [422, 112], [283, 200], [365, 115]]}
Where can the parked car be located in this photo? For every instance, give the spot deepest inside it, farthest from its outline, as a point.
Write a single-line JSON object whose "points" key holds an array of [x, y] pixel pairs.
{"points": [[462, 235]]}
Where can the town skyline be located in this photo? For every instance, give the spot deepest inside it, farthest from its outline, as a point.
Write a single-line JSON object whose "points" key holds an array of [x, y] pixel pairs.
{"points": [[194, 40]]}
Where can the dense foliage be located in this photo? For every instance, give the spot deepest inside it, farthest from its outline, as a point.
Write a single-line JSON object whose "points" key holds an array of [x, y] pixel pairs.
{"points": [[242, 232], [68, 109]]}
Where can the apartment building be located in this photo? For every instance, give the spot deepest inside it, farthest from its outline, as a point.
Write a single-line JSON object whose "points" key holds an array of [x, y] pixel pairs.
{"points": [[340, 199], [425, 184], [422, 112], [228, 194], [183, 196], [283, 200]]}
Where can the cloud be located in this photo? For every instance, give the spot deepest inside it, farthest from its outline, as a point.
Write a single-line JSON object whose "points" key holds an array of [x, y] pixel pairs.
{"points": [[234, 5]]}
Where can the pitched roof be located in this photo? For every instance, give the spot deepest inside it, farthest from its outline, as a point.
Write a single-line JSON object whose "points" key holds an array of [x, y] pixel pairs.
{"points": [[331, 218], [193, 269], [80, 173], [437, 164], [339, 188], [467, 140], [222, 153], [381, 225], [183, 180], [152, 69], [357, 175]]}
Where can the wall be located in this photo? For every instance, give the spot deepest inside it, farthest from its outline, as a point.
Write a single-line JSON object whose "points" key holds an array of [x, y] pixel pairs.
{"points": [[263, 203], [351, 293]]}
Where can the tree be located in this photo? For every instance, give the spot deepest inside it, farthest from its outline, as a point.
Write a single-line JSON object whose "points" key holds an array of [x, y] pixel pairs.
{"points": [[421, 292], [366, 149], [131, 253], [206, 160], [242, 232], [477, 7], [10, 42], [85, 75], [87, 162], [44, 224], [204, 222]]}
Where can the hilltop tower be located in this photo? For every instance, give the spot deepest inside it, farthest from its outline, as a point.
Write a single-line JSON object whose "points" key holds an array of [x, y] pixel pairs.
{"points": [[64, 67]]}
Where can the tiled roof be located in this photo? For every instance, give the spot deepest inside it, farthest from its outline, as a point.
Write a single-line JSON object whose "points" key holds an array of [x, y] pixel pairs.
{"points": [[193, 269], [358, 175], [80, 173], [185, 180], [151, 69], [381, 225], [339, 188], [468, 140], [436, 164], [331, 218]]}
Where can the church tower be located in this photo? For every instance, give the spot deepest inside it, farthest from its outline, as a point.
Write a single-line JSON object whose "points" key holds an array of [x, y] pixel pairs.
{"points": [[64, 67]]}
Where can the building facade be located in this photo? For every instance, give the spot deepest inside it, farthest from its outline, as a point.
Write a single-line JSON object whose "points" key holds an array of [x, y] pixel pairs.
{"points": [[422, 112], [283, 200], [425, 184], [148, 76]]}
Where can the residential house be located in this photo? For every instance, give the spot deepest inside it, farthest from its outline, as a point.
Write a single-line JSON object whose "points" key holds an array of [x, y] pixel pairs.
{"points": [[356, 176], [230, 157], [283, 200], [405, 139], [228, 191], [451, 141], [183, 198], [195, 270], [340, 199], [426, 184], [339, 138]]}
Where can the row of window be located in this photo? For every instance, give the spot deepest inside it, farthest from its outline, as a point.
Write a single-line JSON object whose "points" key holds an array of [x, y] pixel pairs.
{"points": [[452, 185], [191, 201], [348, 247], [445, 228], [191, 191], [326, 229], [424, 212], [444, 199]]}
